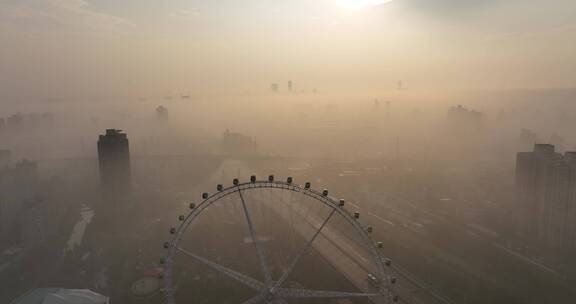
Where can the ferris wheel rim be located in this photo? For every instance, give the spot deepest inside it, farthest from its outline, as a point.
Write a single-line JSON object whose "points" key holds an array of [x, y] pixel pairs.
{"points": [[221, 193]]}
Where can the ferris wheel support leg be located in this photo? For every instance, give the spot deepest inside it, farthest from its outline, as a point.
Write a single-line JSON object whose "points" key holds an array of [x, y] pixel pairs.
{"points": [[261, 257], [242, 278], [296, 293]]}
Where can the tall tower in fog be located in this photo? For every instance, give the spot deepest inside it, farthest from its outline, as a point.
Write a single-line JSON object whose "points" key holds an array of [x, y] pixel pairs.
{"points": [[546, 196], [114, 165]]}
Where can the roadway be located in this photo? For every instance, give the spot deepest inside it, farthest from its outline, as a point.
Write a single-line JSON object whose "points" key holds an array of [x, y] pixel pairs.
{"points": [[339, 251], [353, 261]]}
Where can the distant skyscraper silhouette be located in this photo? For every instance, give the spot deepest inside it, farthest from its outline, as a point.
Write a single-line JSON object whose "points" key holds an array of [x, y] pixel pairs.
{"points": [[274, 87], [162, 114], [546, 196], [5, 158], [289, 85], [464, 121], [114, 165]]}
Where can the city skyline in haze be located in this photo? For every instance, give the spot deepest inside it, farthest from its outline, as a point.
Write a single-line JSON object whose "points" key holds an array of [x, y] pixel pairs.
{"points": [[58, 48]]}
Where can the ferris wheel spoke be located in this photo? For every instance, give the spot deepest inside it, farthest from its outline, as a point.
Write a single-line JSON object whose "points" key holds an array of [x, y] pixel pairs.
{"points": [[304, 250], [261, 257], [297, 293], [240, 277]]}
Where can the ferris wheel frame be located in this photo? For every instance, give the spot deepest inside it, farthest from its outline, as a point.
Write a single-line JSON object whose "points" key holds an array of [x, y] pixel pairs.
{"points": [[271, 291]]}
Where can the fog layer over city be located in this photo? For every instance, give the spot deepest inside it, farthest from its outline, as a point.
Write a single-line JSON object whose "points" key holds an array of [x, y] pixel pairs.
{"points": [[287, 152]]}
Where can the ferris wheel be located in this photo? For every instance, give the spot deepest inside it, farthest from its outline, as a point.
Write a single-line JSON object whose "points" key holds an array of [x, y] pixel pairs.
{"points": [[357, 256]]}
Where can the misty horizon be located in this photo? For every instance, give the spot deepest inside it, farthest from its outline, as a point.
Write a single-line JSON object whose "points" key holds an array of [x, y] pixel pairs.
{"points": [[79, 49], [266, 151]]}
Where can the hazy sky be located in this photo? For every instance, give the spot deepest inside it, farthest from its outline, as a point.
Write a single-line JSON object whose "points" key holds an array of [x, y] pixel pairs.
{"points": [[68, 47]]}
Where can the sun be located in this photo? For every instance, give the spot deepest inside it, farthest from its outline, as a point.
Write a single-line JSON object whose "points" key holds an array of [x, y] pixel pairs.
{"points": [[359, 4]]}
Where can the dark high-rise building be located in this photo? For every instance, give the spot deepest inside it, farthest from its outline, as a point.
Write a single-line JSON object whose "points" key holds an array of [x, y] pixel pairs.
{"points": [[18, 191], [25, 176], [546, 196], [5, 158], [114, 164], [289, 85]]}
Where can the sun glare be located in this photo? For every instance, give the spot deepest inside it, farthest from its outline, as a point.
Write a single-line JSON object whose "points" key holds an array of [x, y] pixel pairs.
{"points": [[360, 4]]}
